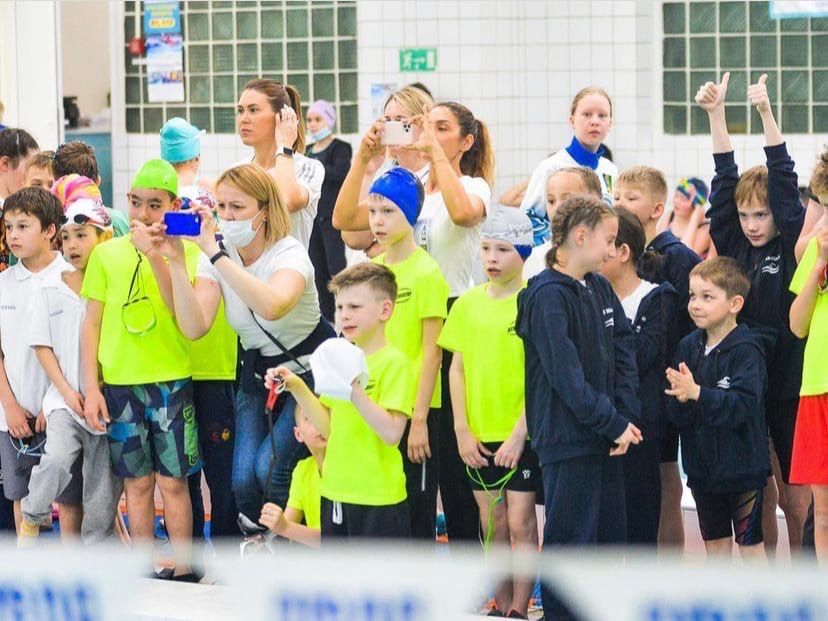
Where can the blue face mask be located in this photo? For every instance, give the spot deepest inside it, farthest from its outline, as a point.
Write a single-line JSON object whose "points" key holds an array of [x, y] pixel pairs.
{"points": [[320, 135]]}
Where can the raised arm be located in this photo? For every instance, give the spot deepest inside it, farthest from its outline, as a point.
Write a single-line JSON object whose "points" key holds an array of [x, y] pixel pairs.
{"points": [[758, 96], [711, 98], [350, 211], [802, 308], [283, 172], [815, 215]]}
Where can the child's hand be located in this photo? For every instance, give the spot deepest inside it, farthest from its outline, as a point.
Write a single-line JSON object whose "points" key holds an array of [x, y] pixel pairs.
{"points": [[682, 385], [427, 142], [631, 435], [510, 452], [171, 247], [758, 94], [17, 420], [472, 451], [281, 375], [95, 411], [712, 96], [287, 127], [40, 423], [145, 238], [418, 448], [75, 401], [274, 518]]}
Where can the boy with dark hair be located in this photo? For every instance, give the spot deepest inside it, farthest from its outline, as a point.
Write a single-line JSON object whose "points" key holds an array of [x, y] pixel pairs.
{"points": [[31, 217], [394, 203], [363, 482], [16, 148], [76, 157], [147, 395], [719, 383], [756, 219]]}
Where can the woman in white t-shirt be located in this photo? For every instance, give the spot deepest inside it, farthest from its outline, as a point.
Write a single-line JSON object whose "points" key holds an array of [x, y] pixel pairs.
{"points": [[350, 213], [266, 119], [266, 280]]}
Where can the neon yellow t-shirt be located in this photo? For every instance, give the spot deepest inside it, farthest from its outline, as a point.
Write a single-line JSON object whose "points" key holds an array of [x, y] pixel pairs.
{"points": [[422, 293], [815, 370], [482, 329], [162, 354], [359, 467], [305, 495], [214, 354]]}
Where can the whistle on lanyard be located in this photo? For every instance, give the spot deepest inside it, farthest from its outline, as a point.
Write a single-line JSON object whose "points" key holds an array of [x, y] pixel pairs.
{"points": [[276, 389]]}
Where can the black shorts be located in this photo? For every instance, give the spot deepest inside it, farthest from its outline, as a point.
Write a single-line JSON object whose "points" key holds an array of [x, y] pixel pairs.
{"points": [[722, 515], [780, 417], [525, 479], [341, 519], [670, 444]]}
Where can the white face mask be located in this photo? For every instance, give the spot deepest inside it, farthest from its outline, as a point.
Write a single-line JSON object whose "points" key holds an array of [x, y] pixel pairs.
{"points": [[320, 135], [240, 233]]}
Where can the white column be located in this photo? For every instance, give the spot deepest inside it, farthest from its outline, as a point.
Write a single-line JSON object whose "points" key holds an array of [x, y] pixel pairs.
{"points": [[30, 75]]}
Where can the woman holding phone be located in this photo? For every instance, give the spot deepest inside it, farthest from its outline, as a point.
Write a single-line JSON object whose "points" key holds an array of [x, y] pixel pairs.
{"points": [[267, 120], [454, 149]]}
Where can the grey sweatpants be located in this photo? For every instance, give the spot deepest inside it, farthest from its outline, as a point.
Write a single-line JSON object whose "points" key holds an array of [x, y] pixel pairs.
{"points": [[65, 440]]}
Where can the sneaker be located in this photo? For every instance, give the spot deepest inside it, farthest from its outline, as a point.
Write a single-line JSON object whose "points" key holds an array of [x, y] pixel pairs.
{"points": [[28, 534], [494, 612], [514, 614]]}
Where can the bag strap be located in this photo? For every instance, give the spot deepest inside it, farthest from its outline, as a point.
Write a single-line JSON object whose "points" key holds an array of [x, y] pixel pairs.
{"points": [[285, 350]]}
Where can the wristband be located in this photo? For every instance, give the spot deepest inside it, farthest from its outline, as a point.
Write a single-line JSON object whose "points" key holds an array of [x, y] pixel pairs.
{"points": [[287, 152], [218, 255]]}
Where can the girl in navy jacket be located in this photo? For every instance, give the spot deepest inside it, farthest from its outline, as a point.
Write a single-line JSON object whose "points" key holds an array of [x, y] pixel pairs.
{"points": [[581, 378], [651, 309]]}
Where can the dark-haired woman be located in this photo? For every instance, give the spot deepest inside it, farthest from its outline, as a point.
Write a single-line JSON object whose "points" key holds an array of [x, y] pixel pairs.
{"points": [[267, 119]]}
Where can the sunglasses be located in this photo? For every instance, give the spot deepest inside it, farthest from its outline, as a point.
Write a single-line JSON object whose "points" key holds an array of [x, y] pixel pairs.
{"points": [[82, 219]]}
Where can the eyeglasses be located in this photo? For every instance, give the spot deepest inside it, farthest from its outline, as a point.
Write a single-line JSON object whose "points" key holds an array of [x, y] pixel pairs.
{"points": [[137, 313]]}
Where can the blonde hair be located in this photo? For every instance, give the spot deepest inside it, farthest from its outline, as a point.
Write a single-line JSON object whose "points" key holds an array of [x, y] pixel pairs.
{"points": [[752, 184], [257, 183], [589, 180], [725, 273], [412, 99], [819, 179], [589, 90], [650, 180]]}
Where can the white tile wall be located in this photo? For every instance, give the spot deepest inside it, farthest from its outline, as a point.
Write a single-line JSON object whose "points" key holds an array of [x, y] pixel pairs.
{"points": [[516, 64]]}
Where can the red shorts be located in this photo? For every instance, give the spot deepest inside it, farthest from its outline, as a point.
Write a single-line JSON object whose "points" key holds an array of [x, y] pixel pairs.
{"points": [[809, 464]]}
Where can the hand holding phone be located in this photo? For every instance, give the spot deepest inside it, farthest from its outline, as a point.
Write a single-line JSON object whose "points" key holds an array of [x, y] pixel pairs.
{"points": [[182, 223], [397, 133]]}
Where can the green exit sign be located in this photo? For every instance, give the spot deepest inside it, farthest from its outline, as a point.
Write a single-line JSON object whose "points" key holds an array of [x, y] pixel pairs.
{"points": [[418, 59]]}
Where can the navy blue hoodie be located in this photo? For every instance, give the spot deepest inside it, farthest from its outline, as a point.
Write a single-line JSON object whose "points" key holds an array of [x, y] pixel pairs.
{"points": [[581, 379], [677, 260], [770, 268], [654, 328], [724, 445]]}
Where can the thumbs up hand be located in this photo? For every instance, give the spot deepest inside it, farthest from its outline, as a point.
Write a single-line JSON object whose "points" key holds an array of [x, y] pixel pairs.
{"points": [[712, 96], [758, 94]]}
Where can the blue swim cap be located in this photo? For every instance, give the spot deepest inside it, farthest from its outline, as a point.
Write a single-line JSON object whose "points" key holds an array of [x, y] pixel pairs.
{"points": [[402, 188], [180, 141]]}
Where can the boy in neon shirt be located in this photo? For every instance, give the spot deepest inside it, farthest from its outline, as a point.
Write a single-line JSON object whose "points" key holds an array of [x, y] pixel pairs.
{"points": [[394, 203], [489, 412], [363, 482], [305, 484], [147, 397]]}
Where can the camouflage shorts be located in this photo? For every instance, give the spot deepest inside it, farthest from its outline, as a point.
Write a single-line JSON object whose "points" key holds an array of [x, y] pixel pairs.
{"points": [[153, 429]]}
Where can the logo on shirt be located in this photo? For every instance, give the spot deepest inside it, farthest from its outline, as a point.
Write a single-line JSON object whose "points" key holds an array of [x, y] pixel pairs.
{"points": [[724, 383], [56, 313], [511, 331], [526, 474], [609, 320], [403, 295], [8, 307], [771, 268]]}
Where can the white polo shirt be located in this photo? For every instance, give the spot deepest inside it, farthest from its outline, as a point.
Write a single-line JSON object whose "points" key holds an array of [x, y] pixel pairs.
{"points": [[19, 292], [56, 320]]}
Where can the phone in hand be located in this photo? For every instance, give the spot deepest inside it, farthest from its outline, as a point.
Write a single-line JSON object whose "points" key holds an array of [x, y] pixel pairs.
{"points": [[397, 133], [182, 223]]}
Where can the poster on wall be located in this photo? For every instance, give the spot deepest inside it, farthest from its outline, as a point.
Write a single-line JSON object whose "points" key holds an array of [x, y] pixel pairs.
{"points": [[380, 92], [165, 51], [798, 8]]}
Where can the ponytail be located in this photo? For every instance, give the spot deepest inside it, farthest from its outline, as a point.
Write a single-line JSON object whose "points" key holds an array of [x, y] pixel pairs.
{"points": [[280, 95], [478, 161], [630, 232]]}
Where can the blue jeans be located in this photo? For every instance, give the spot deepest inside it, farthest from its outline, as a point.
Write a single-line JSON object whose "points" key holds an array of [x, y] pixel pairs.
{"points": [[252, 453]]}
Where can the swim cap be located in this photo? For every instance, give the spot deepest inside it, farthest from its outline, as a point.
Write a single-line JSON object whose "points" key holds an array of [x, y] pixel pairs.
{"points": [[402, 188], [510, 225], [156, 175], [180, 141]]}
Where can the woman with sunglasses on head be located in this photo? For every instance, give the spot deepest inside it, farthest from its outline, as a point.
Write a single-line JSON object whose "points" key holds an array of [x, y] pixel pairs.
{"points": [[268, 118], [266, 280], [455, 152]]}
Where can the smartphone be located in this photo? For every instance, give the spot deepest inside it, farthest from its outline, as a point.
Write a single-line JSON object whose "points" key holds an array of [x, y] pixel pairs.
{"points": [[182, 223], [397, 132]]}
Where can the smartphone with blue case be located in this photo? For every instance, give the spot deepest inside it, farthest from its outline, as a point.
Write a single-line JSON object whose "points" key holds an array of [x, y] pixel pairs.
{"points": [[182, 223]]}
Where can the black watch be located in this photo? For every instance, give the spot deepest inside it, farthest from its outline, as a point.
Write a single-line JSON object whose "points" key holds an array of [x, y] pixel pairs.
{"points": [[286, 151], [218, 255]]}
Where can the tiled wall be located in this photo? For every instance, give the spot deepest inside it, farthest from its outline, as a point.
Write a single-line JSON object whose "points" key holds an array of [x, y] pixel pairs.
{"points": [[517, 64]]}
